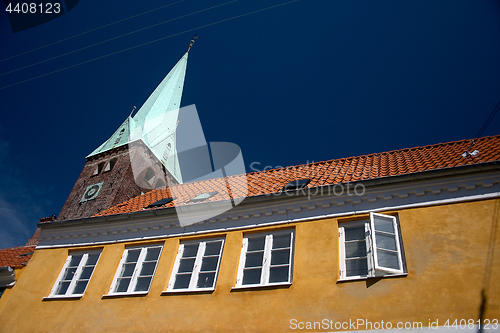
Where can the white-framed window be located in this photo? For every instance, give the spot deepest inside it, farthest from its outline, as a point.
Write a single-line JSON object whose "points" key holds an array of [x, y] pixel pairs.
{"points": [[196, 265], [75, 274], [136, 270], [371, 248], [266, 259]]}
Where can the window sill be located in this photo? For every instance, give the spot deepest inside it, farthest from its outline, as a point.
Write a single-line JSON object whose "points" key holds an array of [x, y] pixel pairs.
{"points": [[115, 295], [364, 278], [262, 286], [61, 297], [187, 291]]}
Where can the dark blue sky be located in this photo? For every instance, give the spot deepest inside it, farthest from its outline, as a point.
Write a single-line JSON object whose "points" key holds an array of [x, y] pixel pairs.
{"points": [[305, 81]]}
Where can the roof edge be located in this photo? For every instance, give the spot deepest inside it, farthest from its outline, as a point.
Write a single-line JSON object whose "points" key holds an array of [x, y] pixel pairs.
{"points": [[427, 174]]}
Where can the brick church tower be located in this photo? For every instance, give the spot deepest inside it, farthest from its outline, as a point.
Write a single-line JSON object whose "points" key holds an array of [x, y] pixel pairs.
{"points": [[140, 156]]}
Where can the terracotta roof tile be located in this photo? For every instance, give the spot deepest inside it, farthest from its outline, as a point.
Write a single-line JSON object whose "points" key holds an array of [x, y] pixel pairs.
{"points": [[16, 256], [371, 166]]}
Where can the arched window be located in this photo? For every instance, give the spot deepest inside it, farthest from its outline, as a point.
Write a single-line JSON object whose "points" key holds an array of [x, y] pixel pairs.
{"points": [[149, 177]]}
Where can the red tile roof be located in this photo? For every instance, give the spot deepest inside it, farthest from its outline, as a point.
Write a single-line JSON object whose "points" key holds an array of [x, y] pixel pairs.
{"points": [[372, 166], [34, 239], [16, 257]]}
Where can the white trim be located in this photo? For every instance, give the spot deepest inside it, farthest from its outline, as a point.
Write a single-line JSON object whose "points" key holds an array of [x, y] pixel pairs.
{"points": [[181, 232], [62, 297], [374, 246], [256, 286], [136, 293], [364, 278], [195, 273], [266, 260], [136, 272], [69, 293], [374, 270]]}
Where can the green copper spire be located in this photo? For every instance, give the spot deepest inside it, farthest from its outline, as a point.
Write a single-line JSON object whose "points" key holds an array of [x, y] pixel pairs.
{"points": [[119, 138], [156, 121]]}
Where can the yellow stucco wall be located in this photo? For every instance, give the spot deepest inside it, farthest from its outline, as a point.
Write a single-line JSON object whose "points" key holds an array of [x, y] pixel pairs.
{"points": [[8, 291], [445, 246]]}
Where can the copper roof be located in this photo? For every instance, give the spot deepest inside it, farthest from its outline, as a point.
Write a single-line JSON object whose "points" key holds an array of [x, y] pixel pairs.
{"points": [[342, 170]]}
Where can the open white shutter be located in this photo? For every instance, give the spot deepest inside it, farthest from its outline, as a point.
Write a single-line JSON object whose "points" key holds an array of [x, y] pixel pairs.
{"points": [[386, 247]]}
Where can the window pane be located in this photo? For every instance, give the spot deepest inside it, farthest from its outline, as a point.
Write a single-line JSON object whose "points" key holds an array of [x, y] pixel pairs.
{"points": [[383, 224], [143, 283], [209, 263], [251, 276], [190, 250], [186, 265], [148, 268], [153, 254], [388, 259], [182, 281], [92, 259], [278, 274], [63, 286], [212, 248], [206, 280], [256, 243], [70, 272], [86, 273], [279, 257], [80, 287], [122, 285], [75, 260], [355, 249], [128, 270], [356, 267], [387, 242], [133, 255], [254, 259], [355, 233], [280, 241]]}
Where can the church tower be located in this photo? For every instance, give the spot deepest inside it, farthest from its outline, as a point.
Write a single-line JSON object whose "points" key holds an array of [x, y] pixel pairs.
{"points": [[140, 156]]}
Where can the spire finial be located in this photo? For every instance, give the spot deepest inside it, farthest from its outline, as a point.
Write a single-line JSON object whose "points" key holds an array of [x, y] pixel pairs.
{"points": [[133, 109], [191, 42]]}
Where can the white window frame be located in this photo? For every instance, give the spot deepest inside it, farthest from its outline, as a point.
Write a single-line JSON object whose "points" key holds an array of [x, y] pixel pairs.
{"points": [[137, 270], [195, 273], [76, 277], [264, 277], [374, 268]]}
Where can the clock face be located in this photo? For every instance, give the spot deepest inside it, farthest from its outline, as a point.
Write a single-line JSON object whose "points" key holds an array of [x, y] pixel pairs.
{"points": [[91, 192]]}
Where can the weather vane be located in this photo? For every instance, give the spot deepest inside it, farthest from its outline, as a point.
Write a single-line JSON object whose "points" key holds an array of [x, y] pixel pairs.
{"points": [[192, 42]]}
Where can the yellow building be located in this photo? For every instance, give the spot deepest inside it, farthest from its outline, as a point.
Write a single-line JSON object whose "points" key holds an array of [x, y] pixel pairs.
{"points": [[406, 248], [406, 239]]}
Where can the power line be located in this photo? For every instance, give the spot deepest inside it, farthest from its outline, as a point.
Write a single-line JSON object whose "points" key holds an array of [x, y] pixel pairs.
{"points": [[150, 42], [108, 40], [91, 30], [481, 130], [488, 121]]}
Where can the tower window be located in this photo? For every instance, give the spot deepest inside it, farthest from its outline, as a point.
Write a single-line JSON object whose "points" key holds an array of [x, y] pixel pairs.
{"points": [[149, 177], [110, 165], [99, 168]]}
